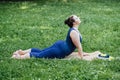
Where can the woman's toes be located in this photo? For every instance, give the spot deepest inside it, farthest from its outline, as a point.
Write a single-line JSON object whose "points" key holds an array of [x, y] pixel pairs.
{"points": [[16, 56], [13, 56], [14, 53]]}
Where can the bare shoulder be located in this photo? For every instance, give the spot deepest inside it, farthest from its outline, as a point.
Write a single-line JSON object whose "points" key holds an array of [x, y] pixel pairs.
{"points": [[73, 33]]}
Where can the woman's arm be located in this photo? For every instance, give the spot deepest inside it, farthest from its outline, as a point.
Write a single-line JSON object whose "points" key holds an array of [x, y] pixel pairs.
{"points": [[76, 40]]}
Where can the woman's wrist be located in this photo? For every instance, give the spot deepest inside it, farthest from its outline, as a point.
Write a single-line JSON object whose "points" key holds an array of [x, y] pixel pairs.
{"points": [[81, 55]]}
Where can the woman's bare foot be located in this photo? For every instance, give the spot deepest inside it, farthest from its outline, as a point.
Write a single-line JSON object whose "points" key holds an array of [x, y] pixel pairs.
{"points": [[21, 52], [16, 56]]}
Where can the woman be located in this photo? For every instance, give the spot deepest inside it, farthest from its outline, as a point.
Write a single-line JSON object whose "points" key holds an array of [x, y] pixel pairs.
{"points": [[60, 49]]}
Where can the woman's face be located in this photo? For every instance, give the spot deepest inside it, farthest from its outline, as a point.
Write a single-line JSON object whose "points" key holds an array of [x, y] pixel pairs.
{"points": [[77, 19]]}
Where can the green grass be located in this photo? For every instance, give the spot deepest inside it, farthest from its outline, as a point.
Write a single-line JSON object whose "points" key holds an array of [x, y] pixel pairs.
{"points": [[39, 24]]}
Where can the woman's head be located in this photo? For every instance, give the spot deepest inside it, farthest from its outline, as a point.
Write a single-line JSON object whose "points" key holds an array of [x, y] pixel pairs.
{"points": [[72, 21]]}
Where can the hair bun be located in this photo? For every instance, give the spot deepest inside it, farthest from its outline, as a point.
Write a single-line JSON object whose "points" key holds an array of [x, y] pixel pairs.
{"points": [[66, 22]]}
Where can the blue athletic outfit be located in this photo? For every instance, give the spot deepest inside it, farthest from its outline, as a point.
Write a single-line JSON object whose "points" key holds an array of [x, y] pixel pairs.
{"points": [[59, 49]]}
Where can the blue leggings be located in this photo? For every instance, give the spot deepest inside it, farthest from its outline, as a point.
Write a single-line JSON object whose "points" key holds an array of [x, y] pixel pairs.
{"points": [[51, 52], [58, 50], [46, 53]]}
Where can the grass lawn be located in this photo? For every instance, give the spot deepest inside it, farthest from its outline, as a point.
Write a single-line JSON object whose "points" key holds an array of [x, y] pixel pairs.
{"points": [[38, 24]]}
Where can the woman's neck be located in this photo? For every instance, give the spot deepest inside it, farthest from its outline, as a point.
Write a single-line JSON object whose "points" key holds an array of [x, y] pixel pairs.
{"points": [[76, 27]]}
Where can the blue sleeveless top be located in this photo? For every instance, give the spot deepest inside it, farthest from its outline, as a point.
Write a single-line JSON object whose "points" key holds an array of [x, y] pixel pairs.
{"points": [[69, 42], [60, 49]]}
